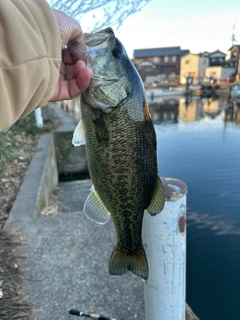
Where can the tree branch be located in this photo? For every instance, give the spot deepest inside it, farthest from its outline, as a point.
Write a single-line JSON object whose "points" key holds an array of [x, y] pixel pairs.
{"points": [[104, 13]]}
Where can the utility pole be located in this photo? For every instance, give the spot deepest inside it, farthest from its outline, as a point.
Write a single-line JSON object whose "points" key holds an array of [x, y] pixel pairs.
{"points": [[234, 38]]}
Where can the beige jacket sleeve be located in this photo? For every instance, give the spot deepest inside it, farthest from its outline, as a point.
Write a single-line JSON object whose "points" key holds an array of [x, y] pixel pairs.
{"points": [[30, 57]]}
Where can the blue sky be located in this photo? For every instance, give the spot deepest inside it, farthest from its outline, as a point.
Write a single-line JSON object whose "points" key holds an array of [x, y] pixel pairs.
{"points": [[194, 25], [205, 25]]}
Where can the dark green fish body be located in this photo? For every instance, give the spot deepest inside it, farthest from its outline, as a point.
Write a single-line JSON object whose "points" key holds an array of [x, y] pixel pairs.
{"points": [[121, 152]]}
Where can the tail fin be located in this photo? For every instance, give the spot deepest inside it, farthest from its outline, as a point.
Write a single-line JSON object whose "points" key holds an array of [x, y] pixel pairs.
{"points": [[123, 261]]}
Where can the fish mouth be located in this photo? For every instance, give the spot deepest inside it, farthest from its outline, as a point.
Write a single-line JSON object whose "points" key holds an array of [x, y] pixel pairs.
{"points": [[98, 40], [81, 46]]}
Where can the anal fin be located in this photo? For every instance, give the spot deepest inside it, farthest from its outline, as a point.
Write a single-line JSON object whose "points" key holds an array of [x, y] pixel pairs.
{"points": [[157, 203], [95, 209]]}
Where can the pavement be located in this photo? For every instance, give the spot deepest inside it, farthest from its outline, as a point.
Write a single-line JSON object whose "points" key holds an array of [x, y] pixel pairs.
{"points": [[67, 255]]}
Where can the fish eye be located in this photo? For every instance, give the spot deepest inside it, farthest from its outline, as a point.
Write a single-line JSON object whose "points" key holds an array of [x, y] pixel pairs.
{"points": [[116, 52]]}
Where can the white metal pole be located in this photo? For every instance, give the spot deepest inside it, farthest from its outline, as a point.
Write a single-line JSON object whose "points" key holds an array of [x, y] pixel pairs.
{"points": [[164, 239], [38, 117]]}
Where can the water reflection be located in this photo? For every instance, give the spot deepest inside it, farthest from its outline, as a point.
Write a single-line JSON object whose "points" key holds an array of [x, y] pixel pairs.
{"points": [[179, 108], [195, 152], [219, 224], [232, 113], [189, 109], [165, 110]]}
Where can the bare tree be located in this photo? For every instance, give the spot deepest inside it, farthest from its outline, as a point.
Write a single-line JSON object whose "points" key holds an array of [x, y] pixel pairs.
{"points": [[103, 13]]}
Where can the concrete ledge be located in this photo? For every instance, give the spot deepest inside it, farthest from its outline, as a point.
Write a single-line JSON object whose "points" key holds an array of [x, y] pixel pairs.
{"points": [[70, 159], [40, 180], [68, 123]]}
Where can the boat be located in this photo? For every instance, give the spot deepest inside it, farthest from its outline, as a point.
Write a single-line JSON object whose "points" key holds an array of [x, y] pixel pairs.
{"points": [[165, 92], [180, 91], [235, 92]]}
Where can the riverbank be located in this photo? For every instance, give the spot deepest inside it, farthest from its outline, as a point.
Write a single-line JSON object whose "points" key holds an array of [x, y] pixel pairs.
{"points": [[17, 147]]}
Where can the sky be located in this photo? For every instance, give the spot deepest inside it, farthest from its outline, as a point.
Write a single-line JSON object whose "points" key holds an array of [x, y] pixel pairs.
{"points": [[199, 26]]}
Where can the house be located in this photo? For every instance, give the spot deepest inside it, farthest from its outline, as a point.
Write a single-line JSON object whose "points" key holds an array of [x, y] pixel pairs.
{"points": [[219, 72], [234, 58], [161, 62], [216, 58], [193, 65]]}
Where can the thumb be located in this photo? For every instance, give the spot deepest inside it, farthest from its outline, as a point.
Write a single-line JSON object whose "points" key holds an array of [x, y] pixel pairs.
{"points": [[69, 28]]}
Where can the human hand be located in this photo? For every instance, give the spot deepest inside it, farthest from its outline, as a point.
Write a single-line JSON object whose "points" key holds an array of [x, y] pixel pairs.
{"points": [[74, 75]]}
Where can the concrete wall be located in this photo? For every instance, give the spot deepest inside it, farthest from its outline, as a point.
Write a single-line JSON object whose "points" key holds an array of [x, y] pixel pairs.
{"points": [[203, 64], [39, 182]]}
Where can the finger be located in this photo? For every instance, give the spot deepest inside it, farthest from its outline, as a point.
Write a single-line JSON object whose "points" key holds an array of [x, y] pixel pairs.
{"points": [[83, 78], [68, 57], [69, 72], [78, 48], [68, 89], [80, 83], [69, 27], [79, 66]]}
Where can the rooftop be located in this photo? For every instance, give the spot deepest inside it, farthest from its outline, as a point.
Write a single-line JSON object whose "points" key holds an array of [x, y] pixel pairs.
{"points": [[234, 45], [153, 52]]}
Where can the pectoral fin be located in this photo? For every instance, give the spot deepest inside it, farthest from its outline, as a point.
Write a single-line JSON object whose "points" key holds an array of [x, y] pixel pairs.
{"points": [[95, 209], [79, 135], [157, 203]]}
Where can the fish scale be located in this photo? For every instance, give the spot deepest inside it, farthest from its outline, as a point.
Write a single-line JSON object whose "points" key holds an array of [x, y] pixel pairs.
{"points": [[121, 152], [120, 179]]}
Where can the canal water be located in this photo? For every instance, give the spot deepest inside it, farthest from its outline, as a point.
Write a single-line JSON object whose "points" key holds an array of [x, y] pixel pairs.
{"points": [[199, 143]]}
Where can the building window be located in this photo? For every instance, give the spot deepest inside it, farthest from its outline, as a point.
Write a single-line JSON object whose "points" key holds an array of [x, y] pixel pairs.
{"points": [[174, 58], [166, 58], [156, 59], [186, 61]]}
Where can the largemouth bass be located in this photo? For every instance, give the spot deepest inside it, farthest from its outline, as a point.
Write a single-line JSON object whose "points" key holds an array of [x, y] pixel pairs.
{"points": [[120, 142]]}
